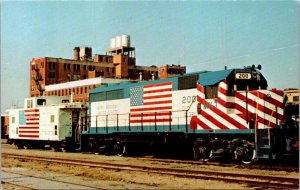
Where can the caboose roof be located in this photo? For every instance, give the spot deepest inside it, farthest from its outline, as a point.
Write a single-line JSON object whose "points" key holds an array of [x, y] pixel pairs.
{"points": [[214, 77]]}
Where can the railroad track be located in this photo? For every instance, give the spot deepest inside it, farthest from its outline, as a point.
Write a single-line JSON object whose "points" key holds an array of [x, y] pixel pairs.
{"points": [[269, 167], [248, 179]]}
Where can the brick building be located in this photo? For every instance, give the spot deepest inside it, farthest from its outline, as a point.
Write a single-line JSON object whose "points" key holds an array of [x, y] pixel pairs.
{"points": [[119, 62]]}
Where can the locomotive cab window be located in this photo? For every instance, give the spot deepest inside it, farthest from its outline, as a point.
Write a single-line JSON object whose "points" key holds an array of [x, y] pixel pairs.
{"points": [[211, 92]]}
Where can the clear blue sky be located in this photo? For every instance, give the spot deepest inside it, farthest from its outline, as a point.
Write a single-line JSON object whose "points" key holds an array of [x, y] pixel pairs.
{"points": [[202, 35]]}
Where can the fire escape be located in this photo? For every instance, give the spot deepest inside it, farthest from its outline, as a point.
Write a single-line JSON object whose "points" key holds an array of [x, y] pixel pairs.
{"points": [[38, 77]]}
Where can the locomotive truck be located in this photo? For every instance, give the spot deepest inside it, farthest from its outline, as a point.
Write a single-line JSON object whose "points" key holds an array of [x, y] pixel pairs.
{"points": [[228, 114]]}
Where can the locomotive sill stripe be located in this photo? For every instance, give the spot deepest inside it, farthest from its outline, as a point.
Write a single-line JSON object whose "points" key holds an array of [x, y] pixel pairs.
{"points": [[221, 114], [151, 109], [159, 84], [150, 120], [159, 90], [29, 136], [158, 96], [151, 114], [158, 102]]}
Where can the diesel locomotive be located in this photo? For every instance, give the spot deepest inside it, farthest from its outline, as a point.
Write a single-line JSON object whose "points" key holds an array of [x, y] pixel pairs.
{"points": [[228, 114]]}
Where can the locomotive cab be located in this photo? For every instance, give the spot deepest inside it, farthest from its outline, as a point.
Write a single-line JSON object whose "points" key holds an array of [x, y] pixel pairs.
{"points": [[246, 79]]}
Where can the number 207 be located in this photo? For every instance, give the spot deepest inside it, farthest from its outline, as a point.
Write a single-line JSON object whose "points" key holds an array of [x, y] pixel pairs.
{"points": [[188, 99]]}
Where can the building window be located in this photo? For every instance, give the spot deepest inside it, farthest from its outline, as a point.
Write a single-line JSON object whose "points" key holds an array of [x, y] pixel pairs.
{"points": [[68, 66], [107, 69], [84, 67], [65, 66]]}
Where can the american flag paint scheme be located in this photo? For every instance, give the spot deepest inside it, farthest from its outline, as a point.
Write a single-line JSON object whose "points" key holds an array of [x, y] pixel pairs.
{"points": [[151, 103], [236, 112], [29, 121]]}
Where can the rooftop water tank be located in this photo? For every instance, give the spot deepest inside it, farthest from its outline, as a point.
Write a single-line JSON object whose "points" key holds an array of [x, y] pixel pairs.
{"points": [[125, 40], [118, 42], [113, 43]]}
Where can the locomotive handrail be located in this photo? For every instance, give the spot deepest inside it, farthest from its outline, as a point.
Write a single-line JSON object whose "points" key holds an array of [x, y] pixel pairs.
{"points": [[105, 120]]}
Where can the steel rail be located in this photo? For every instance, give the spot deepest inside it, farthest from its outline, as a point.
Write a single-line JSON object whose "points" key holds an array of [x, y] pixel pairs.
{"points": [[235, 165], [249, 179]]}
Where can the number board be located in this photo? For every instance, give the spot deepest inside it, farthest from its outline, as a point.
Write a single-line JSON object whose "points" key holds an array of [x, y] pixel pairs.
{"points": [[243, 75]]}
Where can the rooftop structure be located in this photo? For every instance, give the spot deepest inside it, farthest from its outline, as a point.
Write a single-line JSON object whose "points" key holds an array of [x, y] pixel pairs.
{"points": [[118, 62]]}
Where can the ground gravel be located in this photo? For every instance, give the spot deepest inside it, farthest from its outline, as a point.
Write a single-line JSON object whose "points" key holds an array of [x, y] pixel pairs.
{"points": [[112, 179]]}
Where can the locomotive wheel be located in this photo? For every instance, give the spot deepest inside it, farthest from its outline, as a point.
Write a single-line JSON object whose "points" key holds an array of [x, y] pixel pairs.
{"points": [[54, 148], [27, 146], [245, 154], [120, 149], [202, 152], [19, 145]]}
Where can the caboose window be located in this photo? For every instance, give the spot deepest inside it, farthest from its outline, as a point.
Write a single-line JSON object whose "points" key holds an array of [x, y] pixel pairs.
{"points": [[41, 102], [52, 118], [29, 103]]}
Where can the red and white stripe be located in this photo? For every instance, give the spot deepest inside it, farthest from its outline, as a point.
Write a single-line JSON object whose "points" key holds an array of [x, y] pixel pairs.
{"points": [[231, 112], [157, 105], [31, 128]]}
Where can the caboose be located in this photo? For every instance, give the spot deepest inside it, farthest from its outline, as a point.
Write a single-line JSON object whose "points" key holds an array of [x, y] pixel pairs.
{"points": [[47, 121], [228, 114]]}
